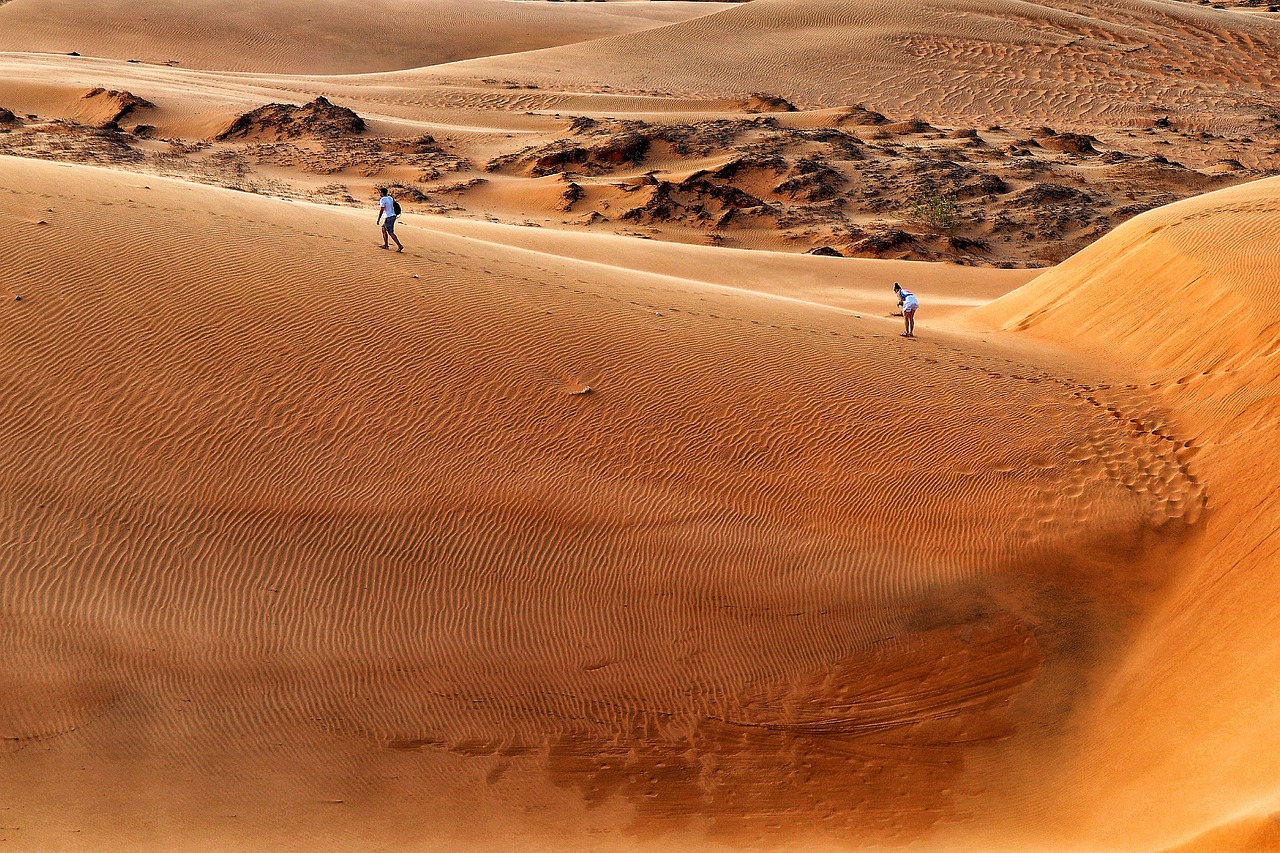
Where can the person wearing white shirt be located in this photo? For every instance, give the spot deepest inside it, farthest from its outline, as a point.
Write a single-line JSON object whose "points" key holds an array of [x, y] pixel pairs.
{"points": [[387, 216], [908, 303]]}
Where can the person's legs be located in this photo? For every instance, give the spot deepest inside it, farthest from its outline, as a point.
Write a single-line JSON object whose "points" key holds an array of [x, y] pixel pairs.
{"points": [[909, 318], [384, 237], [389, 230]]}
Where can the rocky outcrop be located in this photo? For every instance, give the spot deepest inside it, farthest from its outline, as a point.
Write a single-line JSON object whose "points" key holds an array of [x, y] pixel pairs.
{"points": [[319, 119]]}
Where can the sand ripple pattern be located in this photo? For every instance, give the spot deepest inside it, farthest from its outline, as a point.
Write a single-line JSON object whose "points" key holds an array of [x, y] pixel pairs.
{"points": [[1060, 62], [278, 516]]}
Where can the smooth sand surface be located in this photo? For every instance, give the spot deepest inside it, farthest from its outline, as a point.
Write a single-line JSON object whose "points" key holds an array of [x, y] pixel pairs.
{"points": [[325, 37], [856, 285]]}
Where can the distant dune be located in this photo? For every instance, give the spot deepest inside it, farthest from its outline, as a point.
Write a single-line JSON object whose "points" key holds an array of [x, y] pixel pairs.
{"points": [[1068, 63], [324, 37], [1036, 127]]}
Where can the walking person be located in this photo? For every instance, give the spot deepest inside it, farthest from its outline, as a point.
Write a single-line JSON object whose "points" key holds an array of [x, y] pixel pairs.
{"points": [[908, 303], [388, 211]]}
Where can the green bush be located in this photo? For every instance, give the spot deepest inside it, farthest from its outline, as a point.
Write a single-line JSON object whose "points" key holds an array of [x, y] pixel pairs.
{"points": [[936, 211]]}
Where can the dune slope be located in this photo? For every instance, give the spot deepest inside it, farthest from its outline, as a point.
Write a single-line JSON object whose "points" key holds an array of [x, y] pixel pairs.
{"points": [[1049, 123], [1063, 62], [1187, 294], [307, 550], [326, 37]]}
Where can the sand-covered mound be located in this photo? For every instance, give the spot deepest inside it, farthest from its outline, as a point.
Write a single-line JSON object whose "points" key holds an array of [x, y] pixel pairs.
{"points": [[530, 546], [105, 108], [1190, 295], [324, 37], [1080, 65], [1183, 289]]}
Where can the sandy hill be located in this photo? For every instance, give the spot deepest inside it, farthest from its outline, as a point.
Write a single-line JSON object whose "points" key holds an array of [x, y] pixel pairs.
{"points": [[550, 538], [326, 37], [1074, 64], [539, 544], [1187, 295]]}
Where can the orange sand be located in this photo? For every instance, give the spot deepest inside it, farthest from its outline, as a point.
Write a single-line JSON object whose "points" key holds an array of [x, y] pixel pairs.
{"points": [[1186, 295], [325, 37], [558, 539], [726, 162], [1117, 62]]}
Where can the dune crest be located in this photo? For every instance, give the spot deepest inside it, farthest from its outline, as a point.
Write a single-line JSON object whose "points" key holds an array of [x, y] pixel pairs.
{"points": [[1187, 294]]}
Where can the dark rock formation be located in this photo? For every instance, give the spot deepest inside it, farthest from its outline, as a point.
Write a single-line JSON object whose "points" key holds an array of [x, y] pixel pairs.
{"points": [[319, 119]]}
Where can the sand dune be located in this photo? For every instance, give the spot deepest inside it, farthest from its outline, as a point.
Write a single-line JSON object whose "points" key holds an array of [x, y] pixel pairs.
{"points": [[843, 179], [554, 538], [328, 37], [1187, 294], [1078, 65], [310, 544]]}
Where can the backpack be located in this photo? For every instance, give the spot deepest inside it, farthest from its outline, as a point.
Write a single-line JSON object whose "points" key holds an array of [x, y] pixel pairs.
{"points": [[395, 205]]}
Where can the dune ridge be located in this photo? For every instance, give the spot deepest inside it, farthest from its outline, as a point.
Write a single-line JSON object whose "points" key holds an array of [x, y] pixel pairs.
{"points": [[1187, 294]]}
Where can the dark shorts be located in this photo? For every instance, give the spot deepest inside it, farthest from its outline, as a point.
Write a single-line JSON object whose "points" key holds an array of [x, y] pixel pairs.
{"points": [[390, 224]]}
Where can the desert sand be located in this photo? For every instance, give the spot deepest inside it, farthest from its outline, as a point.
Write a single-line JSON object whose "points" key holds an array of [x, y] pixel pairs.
{"points": [[613, 515], [308, 37]]}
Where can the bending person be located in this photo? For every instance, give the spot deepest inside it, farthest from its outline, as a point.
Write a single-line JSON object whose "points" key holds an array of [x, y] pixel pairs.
{"points": [[908, 302]]}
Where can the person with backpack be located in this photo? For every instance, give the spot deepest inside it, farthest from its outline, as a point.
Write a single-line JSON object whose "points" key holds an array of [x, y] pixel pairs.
{"points": [[908, 303], [388, 211]]}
